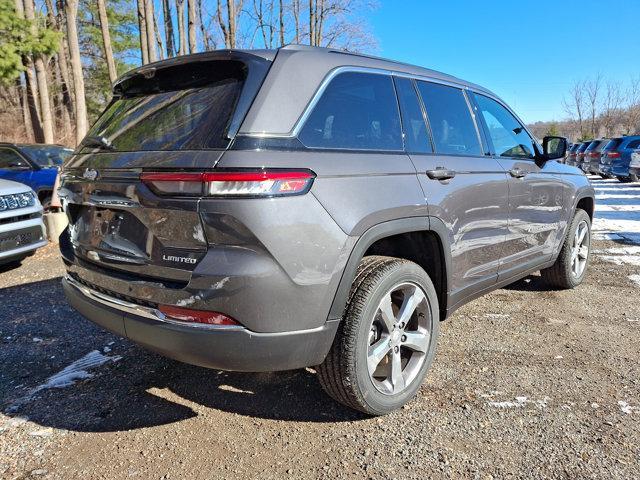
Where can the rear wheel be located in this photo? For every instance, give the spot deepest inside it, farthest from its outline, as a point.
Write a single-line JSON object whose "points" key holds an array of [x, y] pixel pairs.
{"points": [[624, 179], [387, 338], [633, 177], [571, 265]]}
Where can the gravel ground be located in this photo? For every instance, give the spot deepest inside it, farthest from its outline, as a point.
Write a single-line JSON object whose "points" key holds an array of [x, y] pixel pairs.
{"points": [[527, 383]]}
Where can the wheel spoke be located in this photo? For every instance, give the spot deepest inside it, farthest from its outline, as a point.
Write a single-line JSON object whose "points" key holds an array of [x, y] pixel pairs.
{"points": [[409, 305], [386, 312], [582, 233], [417, 341], [397, 379], [583, 253], [376, 353]]}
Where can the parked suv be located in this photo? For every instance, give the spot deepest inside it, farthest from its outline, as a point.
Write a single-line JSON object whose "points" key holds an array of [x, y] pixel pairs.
{"points": [[592, 156], [571, 156], [21, 227], [277, 209], [634, 166], [580, 153], [35, 165], [617, 157]]}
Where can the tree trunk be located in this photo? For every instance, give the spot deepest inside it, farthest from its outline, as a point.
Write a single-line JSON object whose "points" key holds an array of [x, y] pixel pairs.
{"points": [[24, 107], [156, 29], [151, 30], [62, 69], [191, 17], [71, 11], [168, 29], [231, 11], [281, 21], [142, 28], [181, 30], [41, 78], [312, 23], [203, 29], [295, 6], [106, 40]]}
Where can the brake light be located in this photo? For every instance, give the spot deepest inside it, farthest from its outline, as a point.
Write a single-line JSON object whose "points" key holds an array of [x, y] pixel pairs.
{"points": [[246, 183], [188, 315], [613, 154]]}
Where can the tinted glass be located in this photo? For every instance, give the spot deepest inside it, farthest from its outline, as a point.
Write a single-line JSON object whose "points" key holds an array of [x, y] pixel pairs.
{"points": [[416, 137], [357, 111], [46, 156], [9, 159], [634, 144], [613, 144], [190, 119], [583, 147], [509, 137], [452, 127]]}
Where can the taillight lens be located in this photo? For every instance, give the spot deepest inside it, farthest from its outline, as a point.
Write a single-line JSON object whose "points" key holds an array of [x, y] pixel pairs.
{"points": [[613, 154], [188, 315], [249, 183]]}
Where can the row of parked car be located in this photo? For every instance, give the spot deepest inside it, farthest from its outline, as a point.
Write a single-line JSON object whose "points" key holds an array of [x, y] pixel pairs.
{"points": [[608, 157]]}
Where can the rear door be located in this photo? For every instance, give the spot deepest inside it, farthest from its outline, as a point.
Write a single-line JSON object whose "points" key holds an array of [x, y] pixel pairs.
{"points": [[172, 119], [464, 188], [535, 192]]}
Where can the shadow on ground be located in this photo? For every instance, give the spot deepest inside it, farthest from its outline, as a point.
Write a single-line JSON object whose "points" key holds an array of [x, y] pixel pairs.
{"points": [[41, 335]]}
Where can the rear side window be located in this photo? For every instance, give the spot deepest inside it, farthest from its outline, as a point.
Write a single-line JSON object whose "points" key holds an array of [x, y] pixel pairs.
{"points": [[613, 144], [416, 137], [452, 127], [10, 159], [357, 111], [634, 144]]}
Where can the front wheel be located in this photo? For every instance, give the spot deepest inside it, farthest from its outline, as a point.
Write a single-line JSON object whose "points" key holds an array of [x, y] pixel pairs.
{"points": [[387, 337], [571, 265]]}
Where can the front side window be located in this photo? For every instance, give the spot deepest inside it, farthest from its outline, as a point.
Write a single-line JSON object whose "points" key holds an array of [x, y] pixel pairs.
{"points": [[509, 137], [452, 126], [10, 159], [357, 111], [47, 156]]}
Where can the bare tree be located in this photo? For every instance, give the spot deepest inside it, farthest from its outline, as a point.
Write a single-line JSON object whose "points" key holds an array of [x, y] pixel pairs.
{"points": [[263, 16], [631, 117], [295, 10], [41, 77], [150, 23], [106, 41], [168, 28], [181, 30], [281, 21], [228, 24], [191, 20], [592, 89], [611, 107], [142, 28], [203, 28], [575, 106], [71, 13]]}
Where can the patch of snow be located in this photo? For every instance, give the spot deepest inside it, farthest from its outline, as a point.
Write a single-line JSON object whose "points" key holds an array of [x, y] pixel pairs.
{"points": [[635, 279], [609, 196], [626, 408], [558, 357], [629, 259], [36, 339], [106, 350], [595, 405], [630, 250], [519, 402]]}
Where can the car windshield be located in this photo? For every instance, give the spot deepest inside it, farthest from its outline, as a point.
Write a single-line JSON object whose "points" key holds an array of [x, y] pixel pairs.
{"points": [[46, 155]]}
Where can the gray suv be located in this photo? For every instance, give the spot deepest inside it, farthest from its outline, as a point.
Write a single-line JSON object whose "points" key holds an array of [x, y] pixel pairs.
{"points": [[278, 209]]}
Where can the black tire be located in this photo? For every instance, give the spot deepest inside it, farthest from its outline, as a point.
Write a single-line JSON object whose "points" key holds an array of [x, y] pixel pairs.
{"points": [[633, 177], [344, 374], [561, 275], [624, 179], [46, 203]]}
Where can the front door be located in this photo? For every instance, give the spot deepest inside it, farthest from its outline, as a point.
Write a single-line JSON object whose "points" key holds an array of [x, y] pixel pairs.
{"points": [[464, 188], [535, 193]]}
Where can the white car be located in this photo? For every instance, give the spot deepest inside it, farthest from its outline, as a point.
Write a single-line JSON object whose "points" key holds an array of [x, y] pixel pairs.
{"points": [[21, 227]]}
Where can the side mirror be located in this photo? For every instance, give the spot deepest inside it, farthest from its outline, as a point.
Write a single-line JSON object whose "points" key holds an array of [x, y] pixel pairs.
{"points": [[554, 147]]}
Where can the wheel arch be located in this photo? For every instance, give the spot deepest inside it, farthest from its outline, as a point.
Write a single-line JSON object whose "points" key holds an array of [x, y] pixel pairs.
{"points": [[423, 240]]}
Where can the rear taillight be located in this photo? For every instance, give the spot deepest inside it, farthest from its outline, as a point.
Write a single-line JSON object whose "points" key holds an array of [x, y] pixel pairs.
{"points": [[613, 154], [188, 315], [247, 183]]}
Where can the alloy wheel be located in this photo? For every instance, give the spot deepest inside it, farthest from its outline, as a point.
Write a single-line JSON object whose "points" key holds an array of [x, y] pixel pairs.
{"points": [[580, 249]]}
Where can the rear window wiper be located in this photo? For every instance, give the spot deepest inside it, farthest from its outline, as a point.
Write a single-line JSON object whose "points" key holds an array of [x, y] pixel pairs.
{"points": [[97, 142]]}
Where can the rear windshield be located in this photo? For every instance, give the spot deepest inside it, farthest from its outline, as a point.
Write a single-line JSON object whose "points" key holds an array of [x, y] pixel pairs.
{"points": [[582, 147], [594, 145], [189, 110], [613, 144]]}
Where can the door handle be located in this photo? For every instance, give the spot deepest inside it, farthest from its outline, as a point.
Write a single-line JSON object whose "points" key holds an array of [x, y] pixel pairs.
{"points": [[517, 172], [440, 173]]}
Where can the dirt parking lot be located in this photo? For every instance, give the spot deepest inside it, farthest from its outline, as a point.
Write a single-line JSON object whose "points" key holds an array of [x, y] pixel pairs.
{"points": [[527, 383]]}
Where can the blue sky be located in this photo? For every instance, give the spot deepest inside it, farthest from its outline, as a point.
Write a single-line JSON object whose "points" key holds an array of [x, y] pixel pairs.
{"points": [[528, 52]]}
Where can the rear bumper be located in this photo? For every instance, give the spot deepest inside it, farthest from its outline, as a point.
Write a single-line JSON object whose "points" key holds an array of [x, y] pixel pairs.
{"points": [[224, 348]]}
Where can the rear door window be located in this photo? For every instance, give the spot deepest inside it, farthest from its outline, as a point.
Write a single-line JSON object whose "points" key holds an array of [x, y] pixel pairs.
{"points": [[416, 136], [357, 111], [634, 144], [452, 127], [508, 136], [10, 159]]}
